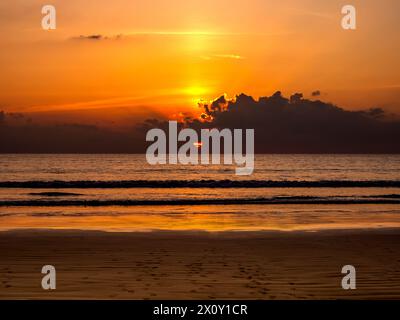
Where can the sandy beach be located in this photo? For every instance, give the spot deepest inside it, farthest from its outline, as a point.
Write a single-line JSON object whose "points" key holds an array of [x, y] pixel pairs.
{"points": [[200, 265]]}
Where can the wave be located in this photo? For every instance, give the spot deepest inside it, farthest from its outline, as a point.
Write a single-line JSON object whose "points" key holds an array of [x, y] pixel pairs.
{"points": [[384, 199], [201, 184], [54, 194]]}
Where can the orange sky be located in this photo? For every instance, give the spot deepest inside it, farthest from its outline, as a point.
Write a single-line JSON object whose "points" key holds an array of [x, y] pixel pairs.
{"points": [[172, 53]]}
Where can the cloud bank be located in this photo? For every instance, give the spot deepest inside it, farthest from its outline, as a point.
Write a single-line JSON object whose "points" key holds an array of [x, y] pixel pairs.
{"points": [[282, 125]]}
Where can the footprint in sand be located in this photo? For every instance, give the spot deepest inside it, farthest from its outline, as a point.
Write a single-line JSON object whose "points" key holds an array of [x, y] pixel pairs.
{"points": [[264, 291]]}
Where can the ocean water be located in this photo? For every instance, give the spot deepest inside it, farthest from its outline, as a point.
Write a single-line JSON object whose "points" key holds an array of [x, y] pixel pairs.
{"points": [[38, 167], [124, 193]]}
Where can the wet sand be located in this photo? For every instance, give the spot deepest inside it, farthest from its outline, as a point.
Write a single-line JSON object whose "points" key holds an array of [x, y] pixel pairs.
{"points": [[199, 265]]}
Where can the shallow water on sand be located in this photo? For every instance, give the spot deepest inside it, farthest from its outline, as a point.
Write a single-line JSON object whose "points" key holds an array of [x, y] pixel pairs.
{"points": [[203, 218]]}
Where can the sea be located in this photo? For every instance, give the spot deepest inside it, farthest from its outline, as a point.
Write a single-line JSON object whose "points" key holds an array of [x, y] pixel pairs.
{"points": [[123, 193]]}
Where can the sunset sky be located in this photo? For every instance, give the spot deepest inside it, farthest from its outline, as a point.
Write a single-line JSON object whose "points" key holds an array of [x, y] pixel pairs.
{"points": [[159, 58]]}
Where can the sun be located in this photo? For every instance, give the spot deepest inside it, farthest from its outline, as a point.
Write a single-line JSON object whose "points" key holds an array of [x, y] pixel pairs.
{"points": [[196, 91], [196, 94]]}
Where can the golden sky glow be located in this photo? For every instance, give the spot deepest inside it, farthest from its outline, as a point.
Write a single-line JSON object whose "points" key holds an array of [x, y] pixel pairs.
{"points": [[160, 57]]}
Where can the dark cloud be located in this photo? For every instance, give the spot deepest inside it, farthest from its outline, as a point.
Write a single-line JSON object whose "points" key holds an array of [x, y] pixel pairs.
{"points": [[90, 37], [97, 37], [375, 113], [316, 93], [66, 138], [282, 125], [300, 125], [296, 98]]}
